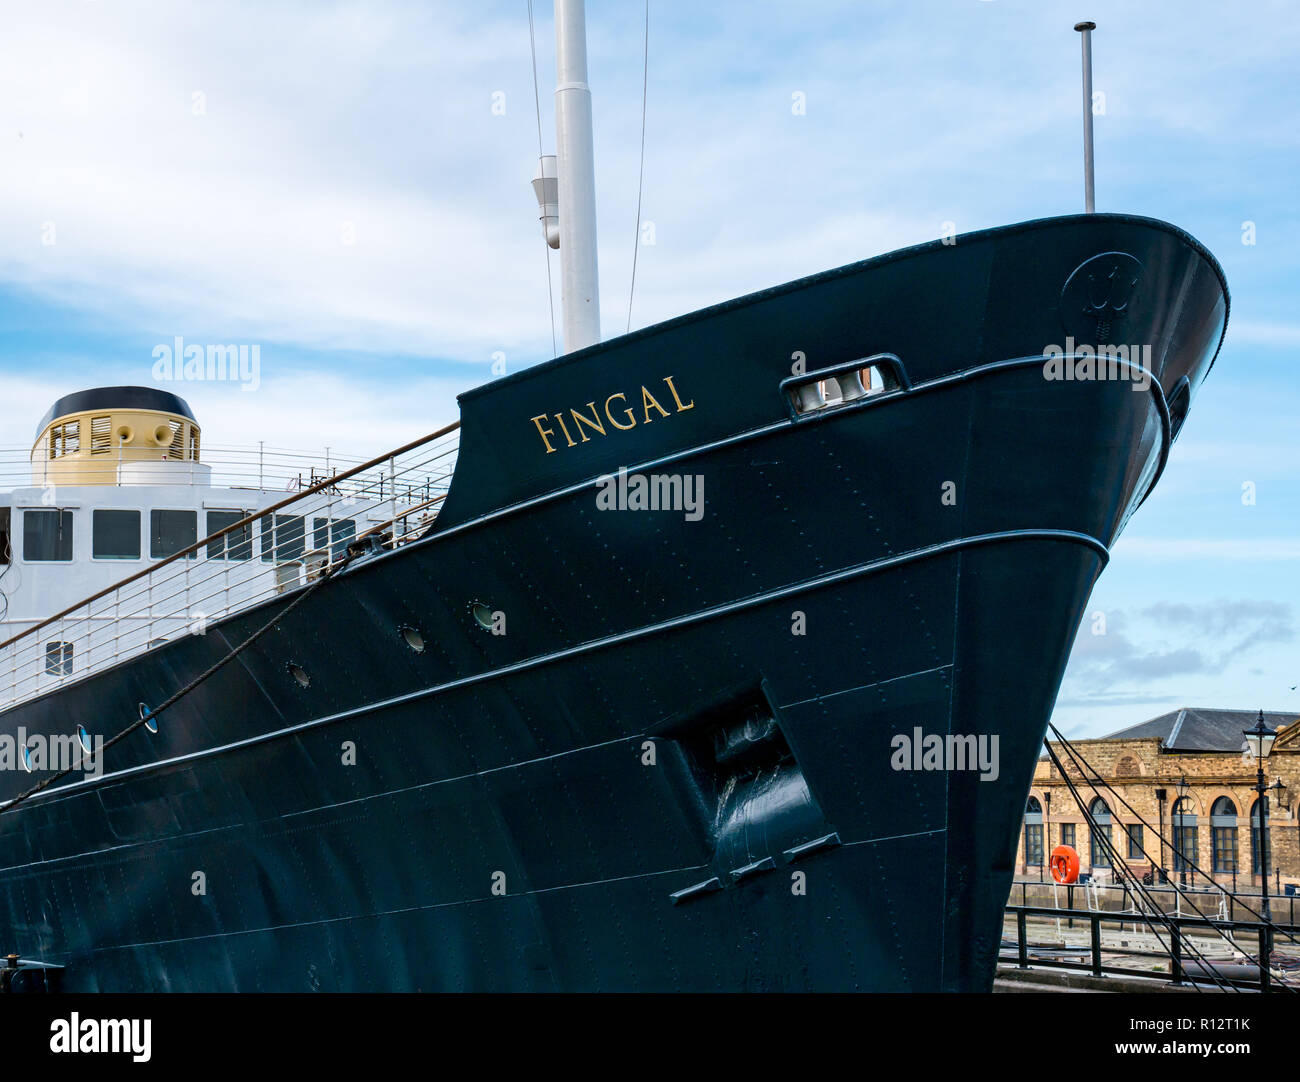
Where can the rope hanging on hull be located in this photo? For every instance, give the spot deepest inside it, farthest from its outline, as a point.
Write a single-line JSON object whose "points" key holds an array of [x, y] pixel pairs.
{"points": [[152, 715]]}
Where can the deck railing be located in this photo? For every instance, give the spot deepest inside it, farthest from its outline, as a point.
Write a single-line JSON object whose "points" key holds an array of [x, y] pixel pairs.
{"points": [[387, 501], [261, 468]]}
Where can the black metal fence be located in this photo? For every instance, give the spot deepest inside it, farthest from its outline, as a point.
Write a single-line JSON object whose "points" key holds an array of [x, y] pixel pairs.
{"points": [[1184, 966]]}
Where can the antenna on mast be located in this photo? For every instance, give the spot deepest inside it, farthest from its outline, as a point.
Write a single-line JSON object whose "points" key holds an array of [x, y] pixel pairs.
{"points": [[1086, 30]]}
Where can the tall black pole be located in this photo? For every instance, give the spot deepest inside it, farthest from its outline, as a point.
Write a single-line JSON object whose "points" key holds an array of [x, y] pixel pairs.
{"points": [[1263, 858], [1160, 799]]}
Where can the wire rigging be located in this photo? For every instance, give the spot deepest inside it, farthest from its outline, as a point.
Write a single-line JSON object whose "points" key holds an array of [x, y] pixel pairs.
{"points": [[1077, 756], [640, 182], [1094, 779], [541, 154], [1156, 912]]}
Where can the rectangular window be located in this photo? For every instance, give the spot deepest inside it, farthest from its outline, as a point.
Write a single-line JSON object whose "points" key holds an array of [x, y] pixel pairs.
{"points": [[1099, 846], [1254, 847], [1067, 834], [1033, 844], [101, 435], [58, 658], [1184, 848], [115, 535], [289, 541], [335, 536], [65, 439], [171, 532], [47, 536], [5, 555], [236, 545], [1225, 848], [1135, 842]]}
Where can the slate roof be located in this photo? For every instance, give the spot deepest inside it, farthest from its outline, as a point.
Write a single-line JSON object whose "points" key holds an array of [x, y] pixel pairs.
{"points": [[1195, 728]]}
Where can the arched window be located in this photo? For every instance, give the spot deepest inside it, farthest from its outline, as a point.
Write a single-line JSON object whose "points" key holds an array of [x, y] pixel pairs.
{"points": [[1184, 822], [1255, 862], [1033, 832], [1223, 835], [1099, 833]]}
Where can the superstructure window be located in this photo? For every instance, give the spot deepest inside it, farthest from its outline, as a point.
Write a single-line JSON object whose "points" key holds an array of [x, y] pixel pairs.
{"points": [[177, 447], [101, 435], [47, 536], [236, 545], [5, 555], [65, 439], [286, 539], [58, 658], [171, 532], [115, 534], [334, 535]]}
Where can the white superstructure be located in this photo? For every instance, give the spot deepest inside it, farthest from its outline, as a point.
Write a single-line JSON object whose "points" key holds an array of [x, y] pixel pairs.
{"points": [[118, 533]]}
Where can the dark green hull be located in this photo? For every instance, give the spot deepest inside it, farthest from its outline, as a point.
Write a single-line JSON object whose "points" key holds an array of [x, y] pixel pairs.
{"points": [[621, 791]]}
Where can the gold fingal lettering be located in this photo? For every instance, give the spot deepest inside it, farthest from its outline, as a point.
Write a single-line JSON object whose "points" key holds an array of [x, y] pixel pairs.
{"points": [[676, 397], [631, 417], [543, 432], [560, 417], [648, 400], [593, 421]]}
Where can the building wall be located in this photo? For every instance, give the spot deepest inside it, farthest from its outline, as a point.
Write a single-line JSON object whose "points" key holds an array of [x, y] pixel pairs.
{"points": [[1136, 769]]}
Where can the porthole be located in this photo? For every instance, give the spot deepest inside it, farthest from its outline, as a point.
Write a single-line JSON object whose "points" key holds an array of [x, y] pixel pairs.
{"points": [[482, 615], [147, 716], [412, 637], [299, 674], [84, 737]]}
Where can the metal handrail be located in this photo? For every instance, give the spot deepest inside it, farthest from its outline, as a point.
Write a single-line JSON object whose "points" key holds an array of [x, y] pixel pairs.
{"points": [[260, 467], [245, 521], [396, 504], [1172, 923]]}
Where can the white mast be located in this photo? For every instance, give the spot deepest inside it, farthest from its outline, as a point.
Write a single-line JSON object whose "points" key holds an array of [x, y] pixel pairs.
{"points": [[580, 286]]}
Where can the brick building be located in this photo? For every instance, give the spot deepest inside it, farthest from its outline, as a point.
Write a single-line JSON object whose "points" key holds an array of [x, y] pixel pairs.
{"points": [[1188, 774]]}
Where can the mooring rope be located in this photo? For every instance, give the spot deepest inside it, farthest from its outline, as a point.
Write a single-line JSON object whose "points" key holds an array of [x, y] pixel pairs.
{"points": [[1093, 777], [1157, 912], [1076, 755], [150, 715]]}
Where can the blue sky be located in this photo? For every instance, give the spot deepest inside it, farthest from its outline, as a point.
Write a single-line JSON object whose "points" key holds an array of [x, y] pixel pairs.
{"points": [[331, 182]]}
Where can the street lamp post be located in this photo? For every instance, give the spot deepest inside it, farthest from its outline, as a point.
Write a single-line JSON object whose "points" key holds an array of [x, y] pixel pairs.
{"points": [[1047, 831], [1160, 800], [1180, 829], [1259, 741]]}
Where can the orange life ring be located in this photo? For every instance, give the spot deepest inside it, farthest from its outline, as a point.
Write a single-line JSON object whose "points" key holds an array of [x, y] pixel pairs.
{"points": [[1064, 864]]}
